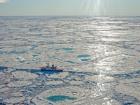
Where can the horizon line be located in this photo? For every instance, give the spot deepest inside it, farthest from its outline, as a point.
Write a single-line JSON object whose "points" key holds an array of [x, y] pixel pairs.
{"points": [[66, 16]]}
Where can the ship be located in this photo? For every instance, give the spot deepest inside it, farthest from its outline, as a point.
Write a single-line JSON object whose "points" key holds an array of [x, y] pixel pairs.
{"points": [[51, 69]]}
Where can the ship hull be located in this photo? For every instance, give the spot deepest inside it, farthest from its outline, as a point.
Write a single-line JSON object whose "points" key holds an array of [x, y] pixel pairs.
{"points": [[51, 70]]}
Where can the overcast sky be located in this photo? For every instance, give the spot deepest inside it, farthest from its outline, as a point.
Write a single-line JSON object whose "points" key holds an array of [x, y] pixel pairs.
{"points": [[70, 7]]}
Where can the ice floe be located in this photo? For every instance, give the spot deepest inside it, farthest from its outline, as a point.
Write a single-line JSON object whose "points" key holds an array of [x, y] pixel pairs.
{"points": [[23, 75], [74, 91]]}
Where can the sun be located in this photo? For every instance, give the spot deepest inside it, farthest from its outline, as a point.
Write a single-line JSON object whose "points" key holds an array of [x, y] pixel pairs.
{"points": [[3, 1]]}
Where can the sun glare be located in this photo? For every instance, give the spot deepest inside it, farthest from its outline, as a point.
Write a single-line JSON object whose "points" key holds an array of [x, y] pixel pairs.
{"points": [[91, 7], [3, 1]]}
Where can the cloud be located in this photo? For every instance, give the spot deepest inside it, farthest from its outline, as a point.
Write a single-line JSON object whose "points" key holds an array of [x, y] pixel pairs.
{"points": [[3, 1]]}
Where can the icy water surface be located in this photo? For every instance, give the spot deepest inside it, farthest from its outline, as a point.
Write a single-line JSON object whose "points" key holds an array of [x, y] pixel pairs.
{"points": [[100, 57]]}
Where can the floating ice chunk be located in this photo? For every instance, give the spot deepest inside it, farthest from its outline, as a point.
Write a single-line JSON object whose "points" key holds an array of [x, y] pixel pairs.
{"points": [[1, 86], [54, 82], [4, 89], [84, 57], [17, 94], [72, 91], [21, 59], [14, 100], [60, 75], [76, 82], [5, 78], [24, 75], [2, 75], [125, 99], [19, 83], [97, 78], [129, 87]]}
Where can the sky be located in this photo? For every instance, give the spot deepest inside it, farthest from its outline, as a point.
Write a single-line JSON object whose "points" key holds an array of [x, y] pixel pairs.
{"points": [[69, 7]]}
